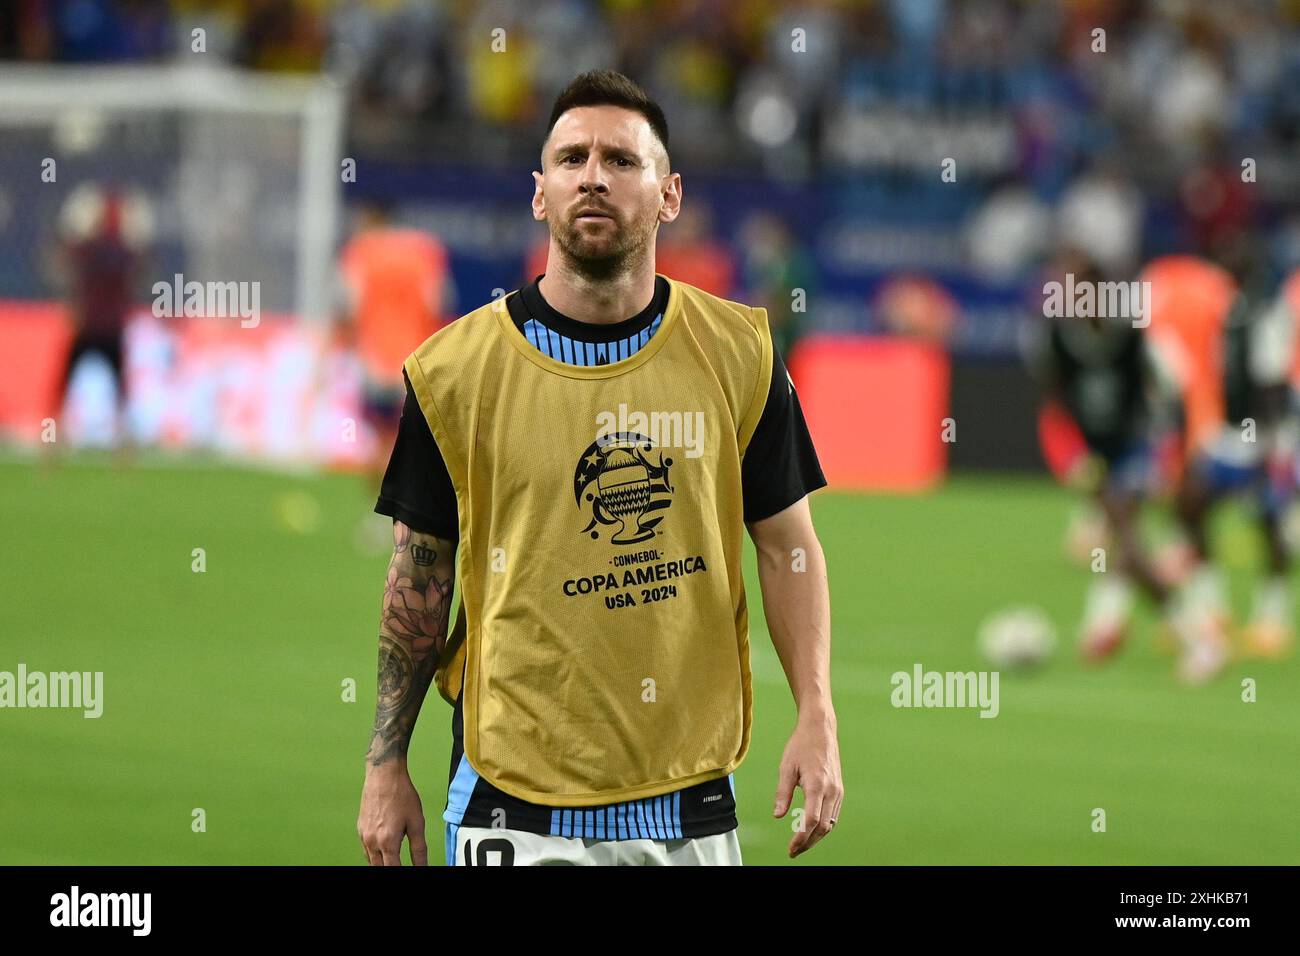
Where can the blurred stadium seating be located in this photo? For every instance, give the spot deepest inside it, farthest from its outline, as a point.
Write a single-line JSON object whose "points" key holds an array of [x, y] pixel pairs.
{"points": [[832, 119]]}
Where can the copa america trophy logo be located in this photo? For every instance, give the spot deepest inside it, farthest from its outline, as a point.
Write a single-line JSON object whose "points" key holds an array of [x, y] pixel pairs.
{"points": [[624, 486]]}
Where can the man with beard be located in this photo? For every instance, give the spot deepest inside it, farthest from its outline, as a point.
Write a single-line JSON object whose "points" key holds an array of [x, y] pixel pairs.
{"points": [[598, 725]]}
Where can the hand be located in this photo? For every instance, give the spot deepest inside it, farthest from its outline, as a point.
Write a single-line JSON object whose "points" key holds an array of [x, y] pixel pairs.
{"points": [[811, 761], [390, 810]]}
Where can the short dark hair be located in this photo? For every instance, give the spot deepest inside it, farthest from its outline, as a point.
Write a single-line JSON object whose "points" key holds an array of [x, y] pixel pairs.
{"points": [[609, 88]]}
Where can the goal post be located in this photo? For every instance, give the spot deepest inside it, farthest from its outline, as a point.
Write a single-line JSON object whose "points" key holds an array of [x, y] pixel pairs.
{"points": [[241, 171]]}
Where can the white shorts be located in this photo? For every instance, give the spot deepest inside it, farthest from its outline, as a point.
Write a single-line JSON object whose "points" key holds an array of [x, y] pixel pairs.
{"points": [[486, 846]]}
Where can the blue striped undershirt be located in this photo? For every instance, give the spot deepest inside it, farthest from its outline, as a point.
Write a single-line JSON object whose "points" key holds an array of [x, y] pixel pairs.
{"points": [[562, 348], [655, 818]]}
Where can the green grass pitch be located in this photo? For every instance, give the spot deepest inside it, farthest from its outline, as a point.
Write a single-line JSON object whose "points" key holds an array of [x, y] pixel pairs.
{"points": [[224, 689]]}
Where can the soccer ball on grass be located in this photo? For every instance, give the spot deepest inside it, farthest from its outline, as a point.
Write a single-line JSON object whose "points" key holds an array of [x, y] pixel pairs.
{"points": [[1017, 638]]}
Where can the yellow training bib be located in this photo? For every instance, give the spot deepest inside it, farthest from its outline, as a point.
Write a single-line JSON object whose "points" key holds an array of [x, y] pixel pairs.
{"points": [[605, 643]]}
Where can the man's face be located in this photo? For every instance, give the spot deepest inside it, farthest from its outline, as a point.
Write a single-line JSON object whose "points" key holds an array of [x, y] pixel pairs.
{"points": [[601, 191]]}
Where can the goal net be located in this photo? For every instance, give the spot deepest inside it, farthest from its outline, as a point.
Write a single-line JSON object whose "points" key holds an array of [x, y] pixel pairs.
{"points": [[239, 172], [224, 178]]}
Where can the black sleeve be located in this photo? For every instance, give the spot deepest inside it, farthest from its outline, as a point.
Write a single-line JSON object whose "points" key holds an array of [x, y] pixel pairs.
{"points": [[780, 464], [417, 489]]}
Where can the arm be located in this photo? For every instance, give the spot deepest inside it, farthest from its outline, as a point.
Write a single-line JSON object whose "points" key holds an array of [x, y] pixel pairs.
{"points": [[412, 633], [796, 602]]}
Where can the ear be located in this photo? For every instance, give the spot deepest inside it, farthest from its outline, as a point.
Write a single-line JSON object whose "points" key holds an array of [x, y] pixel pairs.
{"points": [[539, 199], [671, 205]]}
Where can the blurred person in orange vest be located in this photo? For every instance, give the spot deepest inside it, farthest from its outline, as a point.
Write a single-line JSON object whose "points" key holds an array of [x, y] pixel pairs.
{"points": [[397, 289], [689, 253], [536, 257]]}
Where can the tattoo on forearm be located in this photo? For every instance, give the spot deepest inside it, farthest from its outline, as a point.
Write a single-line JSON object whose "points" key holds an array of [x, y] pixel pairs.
{"points": [[396, 677], [412, 633]]}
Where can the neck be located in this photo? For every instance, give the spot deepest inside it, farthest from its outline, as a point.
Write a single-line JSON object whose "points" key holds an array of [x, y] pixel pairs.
{"points": [[598, 302]]}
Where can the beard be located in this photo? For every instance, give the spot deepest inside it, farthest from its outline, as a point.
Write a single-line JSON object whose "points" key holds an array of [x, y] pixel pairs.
{"points": [[603, 255]]}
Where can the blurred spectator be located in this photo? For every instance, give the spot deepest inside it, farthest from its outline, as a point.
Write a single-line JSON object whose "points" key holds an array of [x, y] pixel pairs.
{"points": [[777, 275], [25, 31], [281, 35], [1215, 203], [1101, 215], [102, 30], [918, 307], [1191, 91], [1009, 233]]}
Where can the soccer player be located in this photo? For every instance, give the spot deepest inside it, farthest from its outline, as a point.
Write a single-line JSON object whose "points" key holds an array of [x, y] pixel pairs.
{"points": [[100, 260], [1123, 397], [1250, 448], [584, 456]]}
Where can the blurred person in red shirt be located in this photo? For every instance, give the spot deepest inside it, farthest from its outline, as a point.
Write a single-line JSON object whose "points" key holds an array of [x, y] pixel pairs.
{"points": [[99, 261], [689, 253]]}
